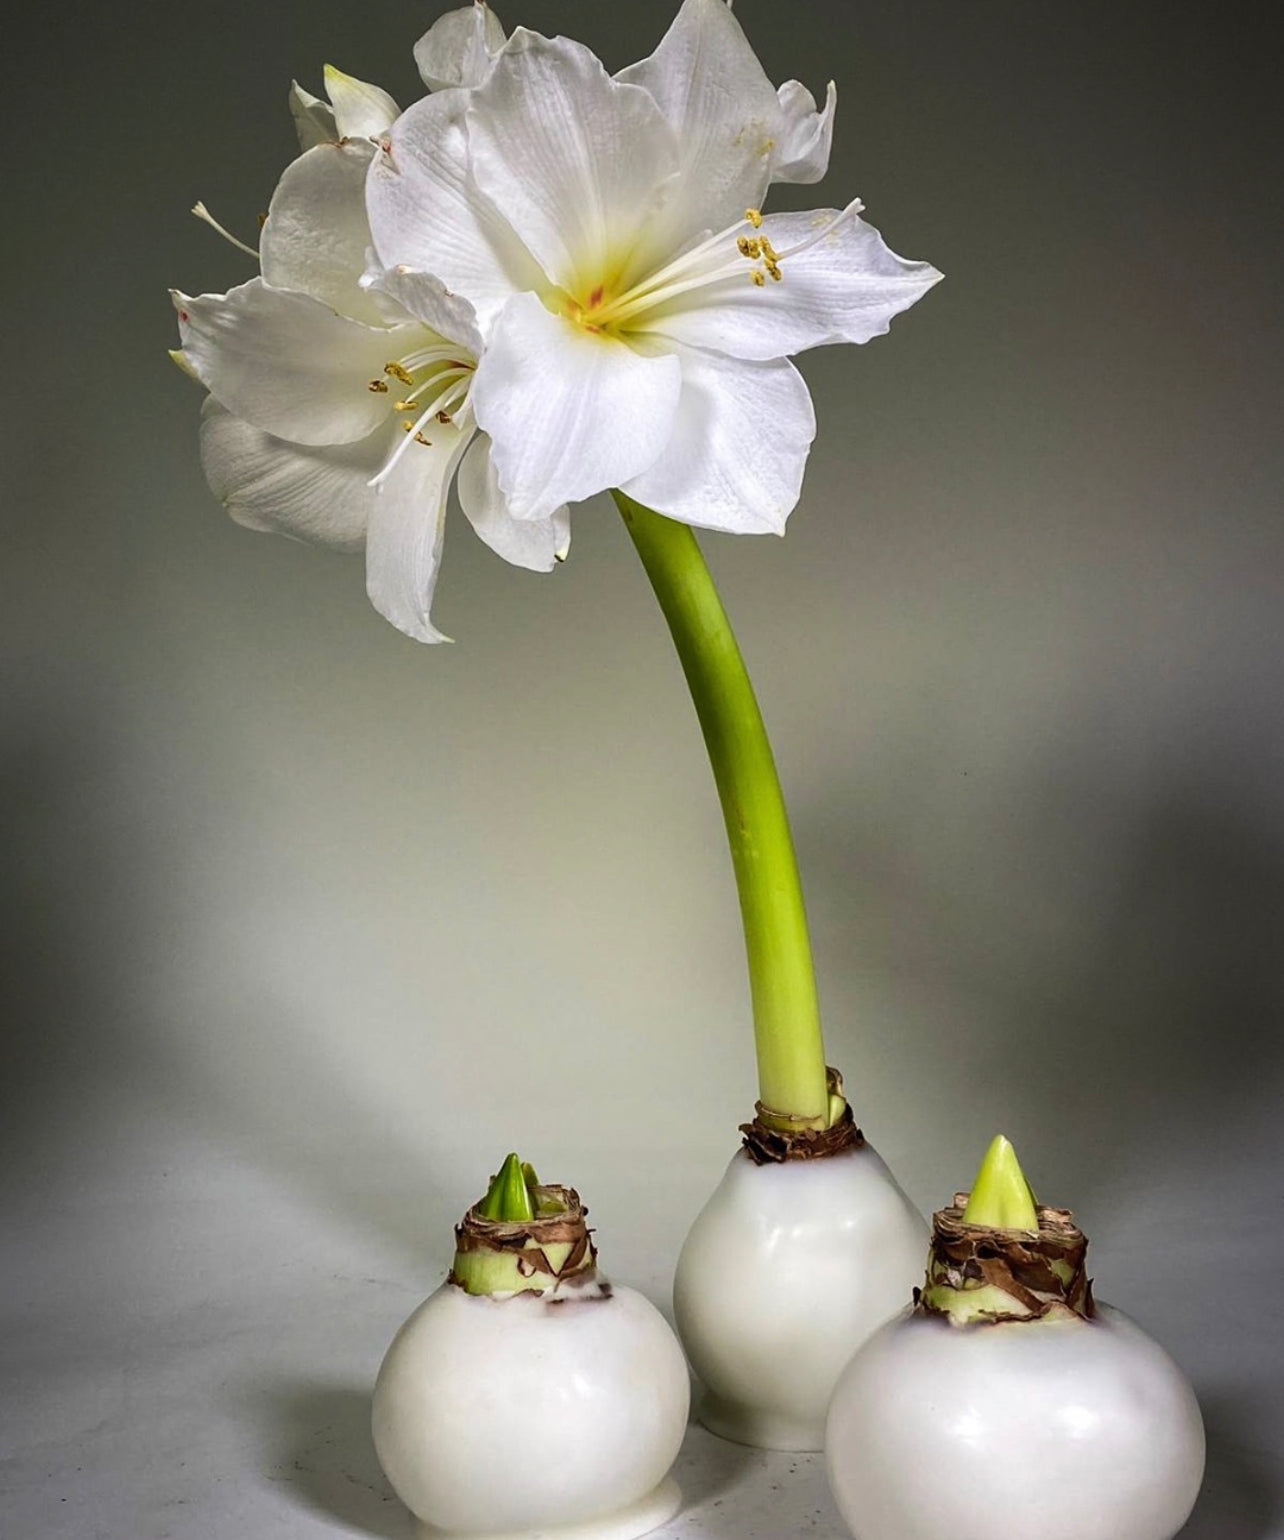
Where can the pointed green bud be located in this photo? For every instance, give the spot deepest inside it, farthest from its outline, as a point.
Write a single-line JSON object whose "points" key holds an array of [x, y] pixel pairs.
{"points": [[1001, 1197], [508, 1198]]}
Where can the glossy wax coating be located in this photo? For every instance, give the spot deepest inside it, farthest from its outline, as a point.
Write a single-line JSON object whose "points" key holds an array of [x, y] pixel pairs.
{"points": [[1056, 1429], [533, 1414], [785, 1272]]}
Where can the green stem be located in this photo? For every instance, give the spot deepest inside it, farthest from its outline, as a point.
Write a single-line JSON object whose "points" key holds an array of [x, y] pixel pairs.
{"points": [[791, 1051]]}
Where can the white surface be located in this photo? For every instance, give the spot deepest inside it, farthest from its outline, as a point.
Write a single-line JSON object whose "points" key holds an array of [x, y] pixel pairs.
{"points": [[192, 1341], [1023, 1430], [785, 1272], [643, 1517]]}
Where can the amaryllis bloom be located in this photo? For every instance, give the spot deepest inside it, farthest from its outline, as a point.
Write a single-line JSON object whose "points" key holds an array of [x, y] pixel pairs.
{"points": [[638, 310], [339, 407]]}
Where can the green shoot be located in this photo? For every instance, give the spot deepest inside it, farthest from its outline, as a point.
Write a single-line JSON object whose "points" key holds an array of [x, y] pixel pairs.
{"points": [[508, 1198], [1001, 1197]]}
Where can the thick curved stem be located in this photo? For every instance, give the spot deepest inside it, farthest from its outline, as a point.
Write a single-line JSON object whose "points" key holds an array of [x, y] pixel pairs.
{"points": [[787, 1033]]}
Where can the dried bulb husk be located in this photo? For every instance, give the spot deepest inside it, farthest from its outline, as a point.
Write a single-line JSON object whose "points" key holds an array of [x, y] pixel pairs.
{"points": [[505, 1256], [983, 1273], [774, 1137]]}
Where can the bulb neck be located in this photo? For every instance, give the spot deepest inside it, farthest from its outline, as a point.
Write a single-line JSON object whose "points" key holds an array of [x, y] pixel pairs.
{"points": [[775, 1137], [505, 1256], [981, 1275]]}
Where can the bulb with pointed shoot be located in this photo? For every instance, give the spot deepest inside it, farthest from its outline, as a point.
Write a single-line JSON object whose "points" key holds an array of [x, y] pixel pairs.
{"points": [[526, 1348], [1005, 1401]]}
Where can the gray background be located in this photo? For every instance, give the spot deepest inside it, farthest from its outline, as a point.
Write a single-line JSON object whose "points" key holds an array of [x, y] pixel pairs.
{"points": [[307, 925]]}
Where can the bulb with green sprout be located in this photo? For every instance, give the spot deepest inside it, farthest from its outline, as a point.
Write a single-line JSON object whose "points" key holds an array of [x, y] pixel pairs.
{"points": [[529, 1396], [1005, 1402]]}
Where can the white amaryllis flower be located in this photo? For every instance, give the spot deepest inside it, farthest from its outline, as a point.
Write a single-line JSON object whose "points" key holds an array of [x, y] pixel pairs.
{"points": [[339, 407], [638, 310]]}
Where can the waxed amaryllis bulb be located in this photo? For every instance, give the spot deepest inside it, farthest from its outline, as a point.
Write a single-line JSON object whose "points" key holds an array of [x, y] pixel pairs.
{"points": [[528, 1396], [1005, 1403], [787, 1269]]}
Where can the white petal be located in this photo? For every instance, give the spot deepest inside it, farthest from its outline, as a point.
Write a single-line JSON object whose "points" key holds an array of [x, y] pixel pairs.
{"points": [[426, 215], [740, 441], [845, 288], [459, 48], [575, 161], [287, 363], [313, 118], [430, 301], [404, 537], [361, 111], [716, 97], [538, 544], [315, 493], [802, 146], [569, 413], [316, 234]]}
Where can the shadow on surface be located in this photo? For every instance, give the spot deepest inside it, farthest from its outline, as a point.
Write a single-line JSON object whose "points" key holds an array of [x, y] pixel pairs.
{"points": [[318, 1437], [319, 1447], [1241, 1499], [708, 1467]]}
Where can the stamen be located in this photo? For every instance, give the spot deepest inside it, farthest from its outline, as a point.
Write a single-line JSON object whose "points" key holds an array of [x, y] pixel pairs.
{"points": [[412, 431], [438, 354], [641, 294], [453, 373], [661, 287], [379, 387], [398, 373], [203, 213]]}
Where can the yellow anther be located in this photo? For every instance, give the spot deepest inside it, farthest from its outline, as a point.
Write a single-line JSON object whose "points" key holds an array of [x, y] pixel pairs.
{"points": [[398, 373], [758, 276], [774, 269], [409, 427], [754, 216], [379, 388], [402, 406], [768, 250], [749, 247], [420, 439]]}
